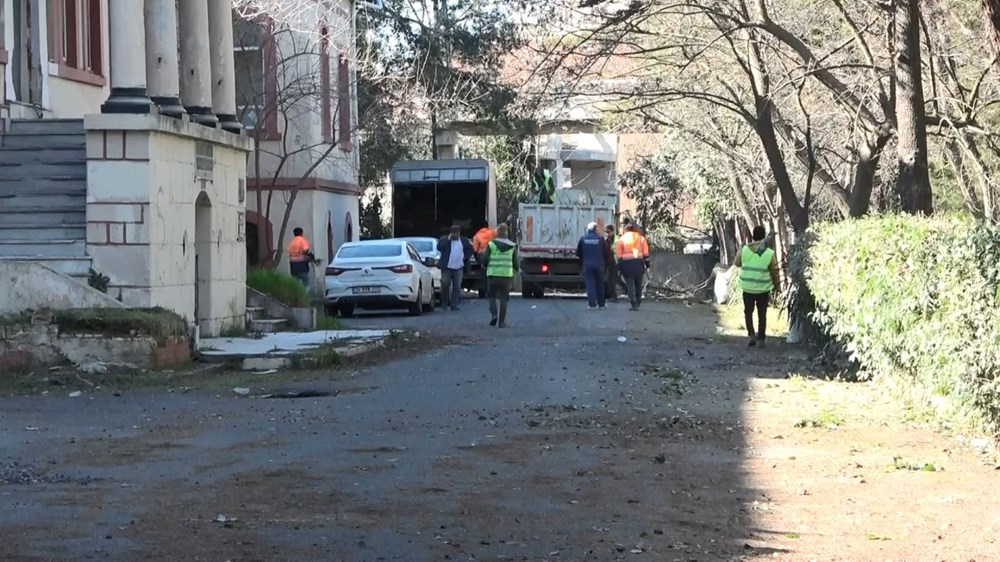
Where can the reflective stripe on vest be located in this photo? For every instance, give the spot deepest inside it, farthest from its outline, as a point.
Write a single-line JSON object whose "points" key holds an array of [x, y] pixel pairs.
{"points": [[755, 272], [501, 263]]}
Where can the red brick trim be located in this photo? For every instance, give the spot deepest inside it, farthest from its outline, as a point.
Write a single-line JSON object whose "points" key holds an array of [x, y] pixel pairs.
{"points": [[311, 184]]}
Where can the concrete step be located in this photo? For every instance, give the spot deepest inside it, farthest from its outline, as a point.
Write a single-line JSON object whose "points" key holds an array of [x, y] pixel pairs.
{"points": [[24, 171], [43, 248], [47, 126], [254, 313], [68, 231], [46, 216], [268, 325], [41, 186], [9, 190], [43, 141], [46, 155], [42, 200], [73, 267]]}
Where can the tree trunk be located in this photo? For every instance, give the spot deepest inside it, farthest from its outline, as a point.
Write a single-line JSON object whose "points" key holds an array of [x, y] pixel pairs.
{"points": [[765, 131], [991, 10], [913, 185]]}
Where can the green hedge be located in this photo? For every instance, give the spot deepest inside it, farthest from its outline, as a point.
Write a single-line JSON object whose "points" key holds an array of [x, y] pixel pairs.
{"points": [[279, 286], [915, 301]]}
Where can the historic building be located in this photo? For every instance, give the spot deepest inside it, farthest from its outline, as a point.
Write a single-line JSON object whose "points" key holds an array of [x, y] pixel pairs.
{"points": [[132, 144]]}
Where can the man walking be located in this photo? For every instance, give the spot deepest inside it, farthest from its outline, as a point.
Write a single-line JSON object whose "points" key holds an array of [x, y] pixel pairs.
{"points": [[593, 251], [299, 257], [758, 277], [456, 251], [633, 253], [500, 261]]}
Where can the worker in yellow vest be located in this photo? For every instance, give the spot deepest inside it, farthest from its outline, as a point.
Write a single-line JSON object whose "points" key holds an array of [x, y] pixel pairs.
{"points": [[500, 261], [758, 277]]}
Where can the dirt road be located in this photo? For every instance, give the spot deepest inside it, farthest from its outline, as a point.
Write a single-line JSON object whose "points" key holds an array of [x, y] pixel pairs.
{"points": [[552, 440]]}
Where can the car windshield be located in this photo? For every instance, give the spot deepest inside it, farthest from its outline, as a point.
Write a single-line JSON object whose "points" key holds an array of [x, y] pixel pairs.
{"points": [[423, 245], [371, 251]]}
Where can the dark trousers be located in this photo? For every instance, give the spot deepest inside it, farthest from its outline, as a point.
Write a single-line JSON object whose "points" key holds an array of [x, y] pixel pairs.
{"points": [[633, 271], [760, 301], [451, 287], [593, 278], [498, 289], [611, 281]]}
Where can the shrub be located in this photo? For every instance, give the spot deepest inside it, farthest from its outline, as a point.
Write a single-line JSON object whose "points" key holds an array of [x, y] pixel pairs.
{"points": [[280, 286], [914, 301], [158, 323]]}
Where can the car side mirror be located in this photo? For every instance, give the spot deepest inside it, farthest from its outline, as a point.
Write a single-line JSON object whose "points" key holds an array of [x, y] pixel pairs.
{"points": [[430, 262]]}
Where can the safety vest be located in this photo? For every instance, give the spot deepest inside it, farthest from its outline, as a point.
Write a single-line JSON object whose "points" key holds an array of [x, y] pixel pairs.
{"points": [[631, 246], [755, 272], [501, 262], [297, 249]]}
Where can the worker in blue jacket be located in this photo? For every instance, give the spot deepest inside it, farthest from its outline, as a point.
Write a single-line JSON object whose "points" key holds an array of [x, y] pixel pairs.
{"points": [[596, 256]]}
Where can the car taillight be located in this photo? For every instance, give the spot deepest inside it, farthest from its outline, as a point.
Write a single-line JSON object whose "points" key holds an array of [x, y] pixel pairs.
{"points": [[405, 268], [334, 271], [545, 268]]}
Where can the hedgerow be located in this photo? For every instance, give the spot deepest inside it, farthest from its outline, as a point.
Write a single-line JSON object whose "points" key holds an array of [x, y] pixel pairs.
{"points": [[915, 302]]}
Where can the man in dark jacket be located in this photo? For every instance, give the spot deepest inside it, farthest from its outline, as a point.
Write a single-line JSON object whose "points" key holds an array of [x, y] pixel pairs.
{"points": [[456, 251], [500, 263], [594, 252]]}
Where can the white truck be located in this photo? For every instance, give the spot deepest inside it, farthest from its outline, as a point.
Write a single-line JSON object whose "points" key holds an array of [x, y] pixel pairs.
{"points": [[549, 235]]}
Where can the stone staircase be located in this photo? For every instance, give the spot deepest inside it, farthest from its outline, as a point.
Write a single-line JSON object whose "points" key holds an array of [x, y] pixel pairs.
{"points": [[259, 323], [43, 194]]}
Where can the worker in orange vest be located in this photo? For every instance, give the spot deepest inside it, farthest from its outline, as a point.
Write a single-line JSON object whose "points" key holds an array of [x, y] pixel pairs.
{"points": [[483, 237], [632, 252], [300, 256]]}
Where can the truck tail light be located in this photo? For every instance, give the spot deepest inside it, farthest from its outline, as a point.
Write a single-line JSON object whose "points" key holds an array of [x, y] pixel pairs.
{"points": [[405, 268], [545, 268]]}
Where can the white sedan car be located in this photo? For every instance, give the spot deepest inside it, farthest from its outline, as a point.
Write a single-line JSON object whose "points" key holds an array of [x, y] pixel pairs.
{"points": [[427, 247], [379, 274]]}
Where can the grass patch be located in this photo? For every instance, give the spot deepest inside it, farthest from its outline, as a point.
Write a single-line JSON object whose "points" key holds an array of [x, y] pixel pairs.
{"points": [[279, 286], [877, 537], [828, 419], [324, 322], [158, 323], [898, 463], [674, 380], [234, 331]]}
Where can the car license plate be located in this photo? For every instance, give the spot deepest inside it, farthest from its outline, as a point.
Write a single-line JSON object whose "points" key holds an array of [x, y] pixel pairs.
{"points": [[366, 290]]}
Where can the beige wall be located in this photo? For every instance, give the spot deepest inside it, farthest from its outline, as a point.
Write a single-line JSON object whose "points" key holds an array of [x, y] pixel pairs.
{"points": [[143, 225]]}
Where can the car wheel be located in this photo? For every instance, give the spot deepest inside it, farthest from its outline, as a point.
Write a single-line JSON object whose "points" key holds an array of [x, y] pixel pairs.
{"points": [[429, 307], [418, 306], [347, 310]]}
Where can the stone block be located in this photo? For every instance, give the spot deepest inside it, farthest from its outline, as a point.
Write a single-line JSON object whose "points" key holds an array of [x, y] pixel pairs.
{"points": [[118, 181], [114, 145], [136, 145], [97, 233], [136, 233], [95, 145], [116, 233], [115, 212], [125, 265]]}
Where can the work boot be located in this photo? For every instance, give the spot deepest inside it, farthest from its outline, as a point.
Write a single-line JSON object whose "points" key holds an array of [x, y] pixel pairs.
{"points": [[493, 322]]}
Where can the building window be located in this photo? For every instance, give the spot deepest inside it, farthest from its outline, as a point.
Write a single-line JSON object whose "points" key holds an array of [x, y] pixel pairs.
{"points": [[256, 65], [344, 103], [324, 84], [75, 39]]}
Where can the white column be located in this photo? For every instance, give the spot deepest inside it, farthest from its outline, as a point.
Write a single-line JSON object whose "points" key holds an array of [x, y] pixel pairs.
{"points": [[220, 33], [196, 67], [128, 59], [162, 70]]}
